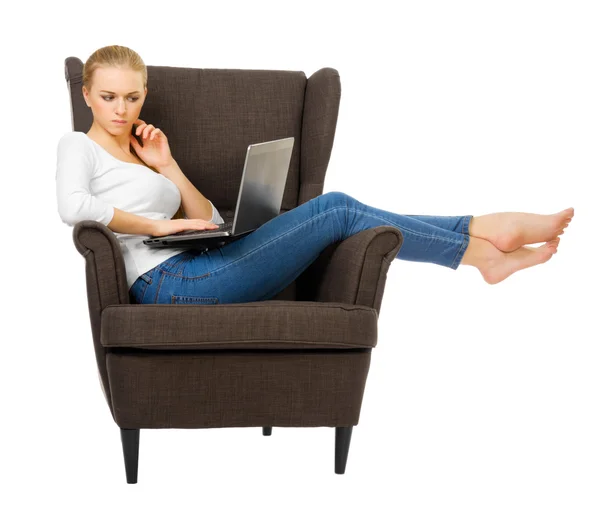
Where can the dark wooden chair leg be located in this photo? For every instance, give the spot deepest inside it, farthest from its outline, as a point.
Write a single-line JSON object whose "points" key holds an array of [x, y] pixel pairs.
{"points": [[342, 445], [267, 431], [130, 438]]}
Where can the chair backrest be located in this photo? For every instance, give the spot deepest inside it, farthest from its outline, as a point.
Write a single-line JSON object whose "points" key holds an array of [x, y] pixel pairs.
{"points": [[210, 116]]}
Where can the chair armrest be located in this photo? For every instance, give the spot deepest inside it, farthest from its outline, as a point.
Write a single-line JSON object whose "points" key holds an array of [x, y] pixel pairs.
{"points": [[106, 282], [106, 278], [354, 270]]}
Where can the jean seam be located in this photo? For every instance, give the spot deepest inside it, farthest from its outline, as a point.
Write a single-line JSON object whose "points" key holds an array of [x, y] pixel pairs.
{"points": [[465, 232], [462, 249], [179, 275], [333, 209], [143, 293], [401, 228], [158, 286]]}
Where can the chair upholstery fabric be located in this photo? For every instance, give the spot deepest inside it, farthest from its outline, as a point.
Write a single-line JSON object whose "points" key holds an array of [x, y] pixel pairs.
{"points": [[298, 360]]}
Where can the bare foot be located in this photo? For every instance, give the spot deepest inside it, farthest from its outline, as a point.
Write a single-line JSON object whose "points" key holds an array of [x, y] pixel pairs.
{"points": [[500, 267], [510, 230]]}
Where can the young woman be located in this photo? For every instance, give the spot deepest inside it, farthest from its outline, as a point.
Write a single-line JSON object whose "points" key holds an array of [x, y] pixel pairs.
{"points": [[107, 176]]}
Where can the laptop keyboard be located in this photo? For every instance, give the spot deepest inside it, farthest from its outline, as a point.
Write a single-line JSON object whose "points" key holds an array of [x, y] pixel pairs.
{"points": [[222, 227]]}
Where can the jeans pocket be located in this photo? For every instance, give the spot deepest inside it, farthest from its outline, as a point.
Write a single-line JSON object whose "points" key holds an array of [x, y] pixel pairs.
{"points": [[194, 300]]}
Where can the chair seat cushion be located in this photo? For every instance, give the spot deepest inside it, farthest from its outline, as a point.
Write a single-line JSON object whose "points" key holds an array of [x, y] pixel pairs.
{"points": [[271, 324]]}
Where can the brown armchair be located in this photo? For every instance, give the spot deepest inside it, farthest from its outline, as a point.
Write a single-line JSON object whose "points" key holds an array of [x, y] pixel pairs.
{"points": [[298, 360]]}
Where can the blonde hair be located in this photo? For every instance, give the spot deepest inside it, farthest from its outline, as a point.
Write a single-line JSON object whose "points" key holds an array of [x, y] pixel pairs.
{"points": [[118, 56]]}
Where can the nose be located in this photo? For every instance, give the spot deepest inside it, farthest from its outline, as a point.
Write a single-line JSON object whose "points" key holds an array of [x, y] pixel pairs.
{"points": [[120, 107]]}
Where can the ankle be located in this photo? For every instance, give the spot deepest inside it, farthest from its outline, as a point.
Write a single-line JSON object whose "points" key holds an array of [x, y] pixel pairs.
{"points": [[480, 253], [479, 225]]}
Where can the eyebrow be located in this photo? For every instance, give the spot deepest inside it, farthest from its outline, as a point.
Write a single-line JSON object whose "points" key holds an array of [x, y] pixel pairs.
{"points": [[135, 91]]}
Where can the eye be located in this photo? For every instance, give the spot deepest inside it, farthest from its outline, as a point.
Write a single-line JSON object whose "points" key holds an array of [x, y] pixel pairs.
{"points": [[110, 97]]}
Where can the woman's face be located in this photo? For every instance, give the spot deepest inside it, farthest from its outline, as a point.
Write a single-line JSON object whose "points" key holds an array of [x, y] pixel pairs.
{"points": [[116, 94]]}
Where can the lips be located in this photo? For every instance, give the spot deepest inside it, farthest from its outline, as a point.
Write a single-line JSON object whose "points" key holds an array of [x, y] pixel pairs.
{"points": [[120, 122]]}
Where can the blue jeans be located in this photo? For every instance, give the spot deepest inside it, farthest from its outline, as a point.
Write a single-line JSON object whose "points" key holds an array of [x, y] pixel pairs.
{"points": [[263, 263]]}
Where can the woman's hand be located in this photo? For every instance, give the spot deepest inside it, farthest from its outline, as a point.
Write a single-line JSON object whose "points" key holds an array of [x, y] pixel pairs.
{"points": [[168, 227], [156, 151]]}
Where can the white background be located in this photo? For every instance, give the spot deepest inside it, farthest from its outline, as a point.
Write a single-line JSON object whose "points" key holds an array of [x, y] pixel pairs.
{"points": [[477, 395]]}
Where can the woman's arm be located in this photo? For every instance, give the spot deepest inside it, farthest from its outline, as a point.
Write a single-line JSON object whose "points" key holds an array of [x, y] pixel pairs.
{"points": [[125, 222], [195, 205], [74, 170]]}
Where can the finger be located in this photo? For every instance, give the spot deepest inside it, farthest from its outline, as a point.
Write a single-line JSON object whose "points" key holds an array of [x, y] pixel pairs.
{"points": [[155, 131], [147, 130], [140, 124]]}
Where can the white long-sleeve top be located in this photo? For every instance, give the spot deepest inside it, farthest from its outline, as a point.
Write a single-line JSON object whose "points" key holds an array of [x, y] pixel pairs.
{"points": [[90, 183]]}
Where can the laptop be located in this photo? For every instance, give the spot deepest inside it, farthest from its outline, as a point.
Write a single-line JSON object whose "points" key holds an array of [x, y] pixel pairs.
{"points": [[259, 199]]}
